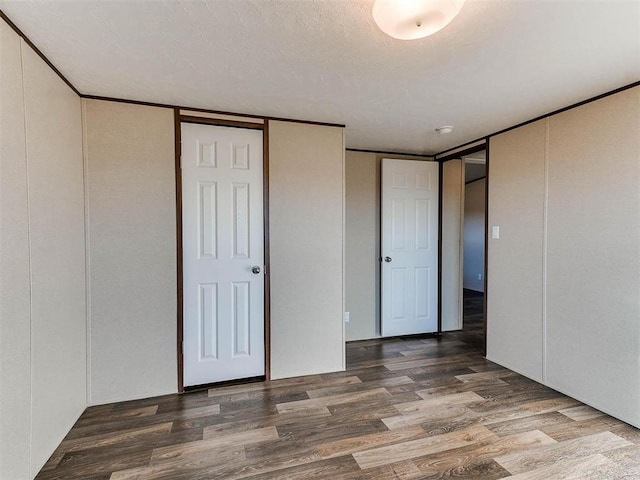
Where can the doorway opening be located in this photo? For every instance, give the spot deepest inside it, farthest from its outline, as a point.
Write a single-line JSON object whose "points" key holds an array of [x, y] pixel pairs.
{"points": [[473, 239], [464, 230]]}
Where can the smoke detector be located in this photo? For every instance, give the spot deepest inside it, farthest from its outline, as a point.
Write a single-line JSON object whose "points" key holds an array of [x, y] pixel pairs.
{"points": [[444, 130]]}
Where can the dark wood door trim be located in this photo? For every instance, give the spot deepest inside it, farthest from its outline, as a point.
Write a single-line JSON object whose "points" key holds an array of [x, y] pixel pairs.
{"points": [[440, 197], [178, 121], [221, 122], [267, 257], [179, 277], [462, 153], [457, 156], [486, 246]]}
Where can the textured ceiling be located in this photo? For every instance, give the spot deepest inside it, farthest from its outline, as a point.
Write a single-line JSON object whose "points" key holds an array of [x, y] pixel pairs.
{"points": [[498, 63]]}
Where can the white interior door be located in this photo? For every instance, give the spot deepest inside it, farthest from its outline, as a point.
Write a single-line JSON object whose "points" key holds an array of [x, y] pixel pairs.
{"points": [[223, 253], [409, 247]]}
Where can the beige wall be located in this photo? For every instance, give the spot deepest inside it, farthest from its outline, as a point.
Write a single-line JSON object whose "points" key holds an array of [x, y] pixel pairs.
{"points": [[130, 178], [473, 256], [362, 243], [593, 254], [564, 276], [15, 311], [43, 320], [306, 227], [132, 256], [56, 223], [514, 290], [452, 201]]}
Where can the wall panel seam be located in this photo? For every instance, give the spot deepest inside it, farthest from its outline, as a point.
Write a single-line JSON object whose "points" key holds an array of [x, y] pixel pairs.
{"points": [[461, 247], [87, 243], [344, 247], [26, 165], [545, 220]]}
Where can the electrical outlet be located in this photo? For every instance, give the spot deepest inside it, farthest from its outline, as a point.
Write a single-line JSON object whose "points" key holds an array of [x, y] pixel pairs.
{"points": [[495, 232], [346, 317]]}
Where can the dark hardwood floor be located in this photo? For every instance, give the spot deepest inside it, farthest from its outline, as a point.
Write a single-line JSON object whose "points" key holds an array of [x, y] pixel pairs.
{"points": [[406, 408], [473, 305]]}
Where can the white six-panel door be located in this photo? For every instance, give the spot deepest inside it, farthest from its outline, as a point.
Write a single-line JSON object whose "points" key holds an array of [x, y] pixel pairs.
{"points": [[223, 253], [409, 247]]}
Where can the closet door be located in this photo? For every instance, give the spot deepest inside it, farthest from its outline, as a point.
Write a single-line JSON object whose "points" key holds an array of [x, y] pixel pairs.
{"points": [[223, 253]]}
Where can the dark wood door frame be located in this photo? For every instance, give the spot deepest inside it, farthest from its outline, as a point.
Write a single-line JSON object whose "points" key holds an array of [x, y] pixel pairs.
{"points": [[458, 156], [178, 121], [440, 196], [486, 244]]}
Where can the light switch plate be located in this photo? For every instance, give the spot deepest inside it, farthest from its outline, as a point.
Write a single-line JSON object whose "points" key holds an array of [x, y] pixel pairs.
{"points": [[346, 317], [495, 232]]}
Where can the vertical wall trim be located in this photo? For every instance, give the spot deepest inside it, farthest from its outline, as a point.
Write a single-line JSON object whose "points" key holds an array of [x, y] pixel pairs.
{"points": [[486, 242], [266, 246], [461, 246], [378, 270], [179, 293], [440, 198], [344, 247], [87, 241], [545, 218], [26, 167]]}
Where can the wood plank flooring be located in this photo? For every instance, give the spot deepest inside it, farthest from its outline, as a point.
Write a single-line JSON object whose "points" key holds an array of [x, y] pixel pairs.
{"points": [[406, 408]]}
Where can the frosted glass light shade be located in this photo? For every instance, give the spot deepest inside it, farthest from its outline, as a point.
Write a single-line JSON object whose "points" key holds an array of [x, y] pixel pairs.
{"points": [[411, 19]]}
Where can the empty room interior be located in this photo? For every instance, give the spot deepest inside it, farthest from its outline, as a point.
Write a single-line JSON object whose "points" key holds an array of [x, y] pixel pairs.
{"points": [[289, 239]]}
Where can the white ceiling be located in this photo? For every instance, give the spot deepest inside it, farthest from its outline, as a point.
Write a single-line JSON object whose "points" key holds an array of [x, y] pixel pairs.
{"points": [[499, 63]]}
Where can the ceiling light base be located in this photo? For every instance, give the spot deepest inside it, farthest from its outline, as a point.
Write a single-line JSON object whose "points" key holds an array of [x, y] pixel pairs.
{"points": [[413, 19]]}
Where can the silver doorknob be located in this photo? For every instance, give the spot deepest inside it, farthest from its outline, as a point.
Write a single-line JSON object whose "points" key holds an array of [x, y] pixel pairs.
{"points": [[387, 259], [255, 269]]}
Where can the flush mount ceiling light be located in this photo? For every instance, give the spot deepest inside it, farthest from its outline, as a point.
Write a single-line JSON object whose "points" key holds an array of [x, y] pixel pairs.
{"points": [[412, 19]]}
